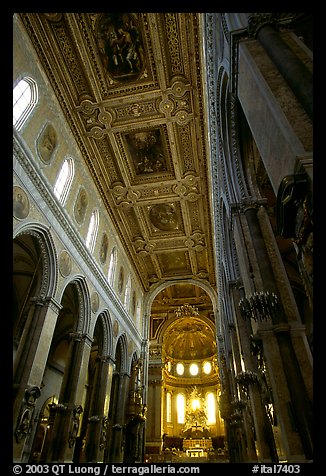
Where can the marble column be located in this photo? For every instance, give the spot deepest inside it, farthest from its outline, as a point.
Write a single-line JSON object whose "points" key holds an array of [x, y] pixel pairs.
{"points": [[68, 410], [287, 148], [264, 436], [31, 357], [244, 341], [301, 407], [240, 433], [96, 438], [116, 449], [154, 427], [293, 70]]}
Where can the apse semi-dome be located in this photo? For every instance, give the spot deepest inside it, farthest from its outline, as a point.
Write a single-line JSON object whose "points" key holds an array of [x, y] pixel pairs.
{"points": [[189, 338]]}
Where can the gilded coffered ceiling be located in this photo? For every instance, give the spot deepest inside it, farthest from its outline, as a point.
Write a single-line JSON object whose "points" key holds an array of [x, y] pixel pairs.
{"points": [[130, 86]]}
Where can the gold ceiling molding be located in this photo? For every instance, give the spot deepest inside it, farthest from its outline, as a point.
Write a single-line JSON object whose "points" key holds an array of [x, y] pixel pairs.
{"points": [[131, 88]]}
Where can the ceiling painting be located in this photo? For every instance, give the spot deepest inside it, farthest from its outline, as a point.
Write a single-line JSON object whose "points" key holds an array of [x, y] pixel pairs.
{"points": [[131, 86], [120, 44]]}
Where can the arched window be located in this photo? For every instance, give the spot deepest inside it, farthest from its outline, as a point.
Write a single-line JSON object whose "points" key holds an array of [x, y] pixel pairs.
{"points": [[138, 315], [25, 97], [180, 368], [112, 265], [211, 418], [181, 408], [168, 407], [193, 369], [207, 367], [92, 230], [127, 293], [64, 180]]}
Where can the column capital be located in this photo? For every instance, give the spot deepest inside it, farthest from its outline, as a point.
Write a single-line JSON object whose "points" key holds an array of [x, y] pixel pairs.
{"points": [[236, 283], [53, 304], [257, 20], [281, 328], [105, 359], [80, 337], [247, 204], [49, 302], [277, 20]]}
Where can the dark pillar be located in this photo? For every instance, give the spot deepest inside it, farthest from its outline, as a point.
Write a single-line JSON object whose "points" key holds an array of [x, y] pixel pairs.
{"points": [[295, 73], [301, 407]]}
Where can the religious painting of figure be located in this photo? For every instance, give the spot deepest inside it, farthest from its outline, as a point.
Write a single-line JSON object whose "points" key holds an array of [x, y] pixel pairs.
{"points": [[81, 205], [47, 143], [133, 303], [95, 301], [65, 264], [121, 280], [20, 203], [121, 46], [146, 150], [104, 248]]}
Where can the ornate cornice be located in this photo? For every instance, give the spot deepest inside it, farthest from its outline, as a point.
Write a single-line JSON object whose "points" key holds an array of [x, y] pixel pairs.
{"points": [[22, 154]]}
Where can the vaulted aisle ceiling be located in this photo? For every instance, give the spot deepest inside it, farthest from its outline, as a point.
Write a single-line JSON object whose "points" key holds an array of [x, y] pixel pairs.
{"points": [[131, 88]]}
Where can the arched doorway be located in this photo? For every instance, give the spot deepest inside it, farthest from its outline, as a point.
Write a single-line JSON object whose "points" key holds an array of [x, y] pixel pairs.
{"points": [[34, 283], [183, 421]]}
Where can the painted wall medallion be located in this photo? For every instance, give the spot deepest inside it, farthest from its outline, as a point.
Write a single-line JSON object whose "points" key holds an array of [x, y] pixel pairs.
{"points": [[104, 248], [47, 143], [81, 205], [121, 280], [65, 263], [95, 302], [20, 203]]}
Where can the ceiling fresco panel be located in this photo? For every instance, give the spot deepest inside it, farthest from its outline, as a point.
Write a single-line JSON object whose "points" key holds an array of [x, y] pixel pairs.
{"points": [[147, 152], [131, 88], [176, 262], [125, 50]]}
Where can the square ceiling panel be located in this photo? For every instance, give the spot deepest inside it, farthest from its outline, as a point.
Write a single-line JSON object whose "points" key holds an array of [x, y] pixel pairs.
{"points": [[174, 262], [131, 86], [164, 219], [148, 154]]}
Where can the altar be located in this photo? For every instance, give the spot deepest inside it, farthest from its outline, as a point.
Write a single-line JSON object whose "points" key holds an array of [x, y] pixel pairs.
{"points": [[197, 447]]}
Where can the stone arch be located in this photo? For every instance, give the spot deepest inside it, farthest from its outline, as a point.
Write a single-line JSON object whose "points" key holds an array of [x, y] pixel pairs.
{"points": [[48, 255], [122, 343], [232, 178], [84, 303], [157, 289], [104, 320]]}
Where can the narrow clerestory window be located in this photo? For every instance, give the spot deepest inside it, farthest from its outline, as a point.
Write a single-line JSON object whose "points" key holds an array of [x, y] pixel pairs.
{"points": [[25, 97]]}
